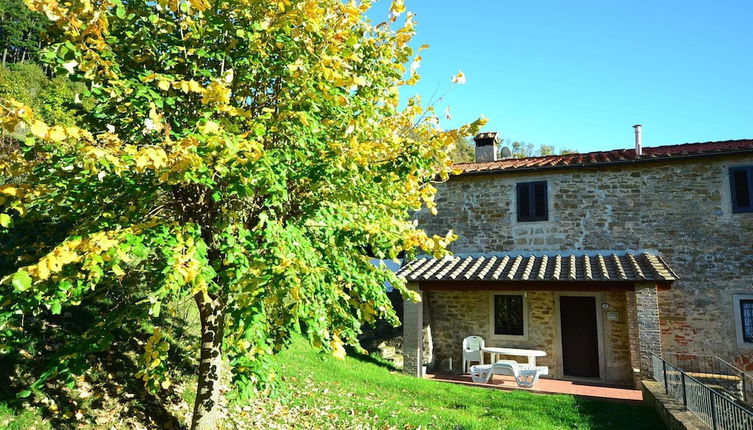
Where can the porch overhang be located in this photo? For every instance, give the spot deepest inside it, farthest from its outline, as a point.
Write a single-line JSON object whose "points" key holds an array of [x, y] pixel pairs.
{"points": [[576, 270]]}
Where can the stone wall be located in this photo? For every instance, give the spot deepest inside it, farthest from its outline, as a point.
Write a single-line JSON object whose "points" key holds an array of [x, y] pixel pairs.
{"points": [[617, 339], [680, 208], [674, 415], [456, 314]]}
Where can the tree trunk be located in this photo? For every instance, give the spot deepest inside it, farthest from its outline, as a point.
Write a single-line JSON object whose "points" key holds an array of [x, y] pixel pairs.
{"points": [[206, 412]]}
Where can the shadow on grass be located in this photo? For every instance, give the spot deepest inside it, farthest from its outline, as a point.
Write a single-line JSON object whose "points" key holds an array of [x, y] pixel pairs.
{"points": [[371, 359], [605, 414]]}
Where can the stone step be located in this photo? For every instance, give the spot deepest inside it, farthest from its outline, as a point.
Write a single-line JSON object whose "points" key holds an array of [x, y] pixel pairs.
{"points": [[397, 360], [386, 351]]}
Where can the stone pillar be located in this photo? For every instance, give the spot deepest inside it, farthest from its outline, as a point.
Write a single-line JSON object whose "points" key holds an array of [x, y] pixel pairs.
{"points": [[645, 331], [413, 342], [428, 341]]}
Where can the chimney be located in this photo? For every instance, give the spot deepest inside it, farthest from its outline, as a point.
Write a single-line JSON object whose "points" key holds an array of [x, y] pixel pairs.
{"points": [[638, 147], [486, 146]]}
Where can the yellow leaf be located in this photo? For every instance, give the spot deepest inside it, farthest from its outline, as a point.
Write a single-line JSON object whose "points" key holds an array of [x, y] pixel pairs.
{"points": [[5, 220], [337, 349], [459, 78], [43, 272], [39, 129], [73, 132], [56, 133], [10, 190], [209, 127], [117, 270], [201, 5], [194, 86], [163, 85], [397, 7]]}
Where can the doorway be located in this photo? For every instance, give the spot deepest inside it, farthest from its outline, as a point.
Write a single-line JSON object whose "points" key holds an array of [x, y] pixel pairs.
{"points": [[579, 333]]}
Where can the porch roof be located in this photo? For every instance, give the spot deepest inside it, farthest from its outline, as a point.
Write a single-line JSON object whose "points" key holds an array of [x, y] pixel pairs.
{"points": [[591, 266]]}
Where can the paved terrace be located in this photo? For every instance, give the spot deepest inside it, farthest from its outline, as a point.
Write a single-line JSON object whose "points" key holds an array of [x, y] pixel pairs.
{"points": [[549, 386]]}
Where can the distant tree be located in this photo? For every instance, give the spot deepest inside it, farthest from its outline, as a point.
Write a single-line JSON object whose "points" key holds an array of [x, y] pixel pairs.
{"points": [[53, 99], [20, 32], [464, 151], [546, 150], [522, 149]]}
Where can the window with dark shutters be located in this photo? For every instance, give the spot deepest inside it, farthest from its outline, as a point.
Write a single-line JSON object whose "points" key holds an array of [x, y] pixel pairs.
{"points": [[533, 204], [746, 314], [741, 188], [508, 315]]}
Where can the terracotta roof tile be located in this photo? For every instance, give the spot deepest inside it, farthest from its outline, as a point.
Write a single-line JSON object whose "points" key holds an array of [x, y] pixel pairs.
{"points": [[609, 157], [594, 266]]}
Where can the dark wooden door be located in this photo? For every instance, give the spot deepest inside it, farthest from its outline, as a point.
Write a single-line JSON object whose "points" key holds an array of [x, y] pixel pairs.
{"points": [[580, 342]]}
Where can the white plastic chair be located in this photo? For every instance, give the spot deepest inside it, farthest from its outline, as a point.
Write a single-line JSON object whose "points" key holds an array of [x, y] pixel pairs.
{"points": [[472, 346], [524, 377]]}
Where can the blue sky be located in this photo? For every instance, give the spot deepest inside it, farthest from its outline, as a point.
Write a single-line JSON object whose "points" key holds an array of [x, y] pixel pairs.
{"points": [[579, 74]]}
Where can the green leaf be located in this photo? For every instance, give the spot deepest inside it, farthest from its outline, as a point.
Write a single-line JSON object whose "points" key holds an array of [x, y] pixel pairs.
{"points": [[5, 220], [259, 130], [55, 308], [21, 280], [155, 309], [24, 394]]}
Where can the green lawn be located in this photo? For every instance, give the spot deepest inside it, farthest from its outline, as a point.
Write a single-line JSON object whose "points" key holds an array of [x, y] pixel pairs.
{"points": [[321, 392], [358, 391]]}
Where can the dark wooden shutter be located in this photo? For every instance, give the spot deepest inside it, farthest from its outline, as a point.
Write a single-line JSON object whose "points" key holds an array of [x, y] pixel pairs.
{"points": [[540, 201], [746, 315], [508, 315], [741, 188], [532, 201], [524, 201]]}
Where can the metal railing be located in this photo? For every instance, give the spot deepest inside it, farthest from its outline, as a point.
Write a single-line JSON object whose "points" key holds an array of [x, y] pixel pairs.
{"points": [[717, 410], [712, 370]]}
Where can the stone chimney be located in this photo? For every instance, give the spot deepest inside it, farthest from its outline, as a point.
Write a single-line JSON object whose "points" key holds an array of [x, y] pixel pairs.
{"points": [[486, 146]]}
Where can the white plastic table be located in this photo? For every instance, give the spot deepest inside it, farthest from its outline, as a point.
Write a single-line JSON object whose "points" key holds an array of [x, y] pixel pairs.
{"points": [[531, 354]]}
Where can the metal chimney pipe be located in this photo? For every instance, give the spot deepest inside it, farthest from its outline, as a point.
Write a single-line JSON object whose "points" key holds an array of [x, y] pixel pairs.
{"points": [[638, 147]]}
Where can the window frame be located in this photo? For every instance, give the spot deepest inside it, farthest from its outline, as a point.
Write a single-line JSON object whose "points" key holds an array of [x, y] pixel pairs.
{"points": [[532, 217], [736, 208], [495, 336], [737, 303]]}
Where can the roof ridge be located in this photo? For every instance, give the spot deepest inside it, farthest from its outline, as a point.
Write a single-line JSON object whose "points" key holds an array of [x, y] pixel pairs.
{"points": [[621, 155], [673, 145]]}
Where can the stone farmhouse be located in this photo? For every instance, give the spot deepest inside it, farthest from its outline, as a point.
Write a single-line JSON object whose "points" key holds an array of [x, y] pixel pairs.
{"points": [[597, 258]]}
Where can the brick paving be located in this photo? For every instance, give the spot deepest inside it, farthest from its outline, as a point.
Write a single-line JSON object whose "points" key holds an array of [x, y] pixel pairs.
{"points": [[550, 386]]}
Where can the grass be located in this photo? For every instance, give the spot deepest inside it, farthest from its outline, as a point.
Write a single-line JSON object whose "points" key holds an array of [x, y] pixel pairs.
{"points": [[25, 420], [362, 392], [362, 386]]}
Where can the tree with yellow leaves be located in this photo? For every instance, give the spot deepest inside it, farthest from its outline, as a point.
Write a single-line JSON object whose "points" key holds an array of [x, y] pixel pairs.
{"points": [[241, 153]]}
